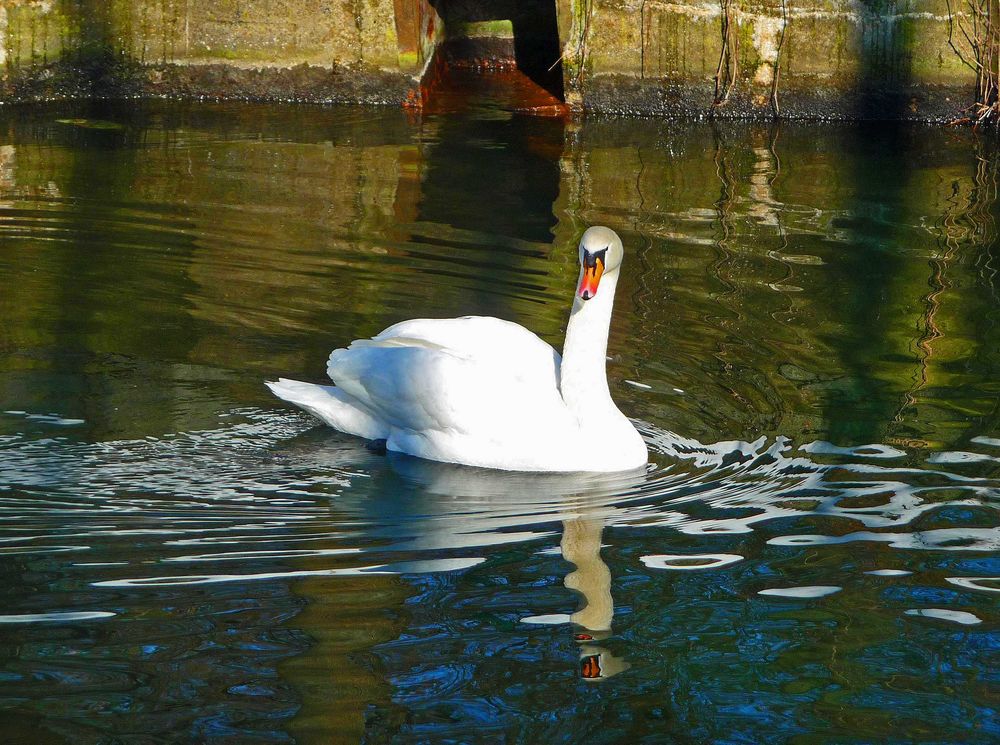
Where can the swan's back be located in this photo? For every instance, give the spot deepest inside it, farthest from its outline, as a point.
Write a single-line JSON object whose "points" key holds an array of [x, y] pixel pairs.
{"points": [[476, 382], [481, 338]]}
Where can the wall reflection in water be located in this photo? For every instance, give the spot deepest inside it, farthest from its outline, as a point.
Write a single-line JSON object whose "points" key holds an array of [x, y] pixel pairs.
{"points": [[806, 331]]}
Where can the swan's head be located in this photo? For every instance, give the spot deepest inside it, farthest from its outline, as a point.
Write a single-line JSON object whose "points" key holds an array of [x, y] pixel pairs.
{"points": [[600, 251]]}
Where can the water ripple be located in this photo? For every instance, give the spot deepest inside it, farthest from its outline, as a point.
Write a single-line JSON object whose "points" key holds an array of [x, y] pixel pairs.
{"points": [[689, 561], [809, 591], [56, 616], [986, 584], [261, 489], [945, 614]]}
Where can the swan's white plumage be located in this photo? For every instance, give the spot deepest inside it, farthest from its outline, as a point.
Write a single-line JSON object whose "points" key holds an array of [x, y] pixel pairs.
{"points": [[458, 389], [475, 390]]}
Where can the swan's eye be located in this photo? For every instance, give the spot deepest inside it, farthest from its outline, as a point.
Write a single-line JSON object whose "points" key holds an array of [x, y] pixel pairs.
{"points": [[591, 259]]}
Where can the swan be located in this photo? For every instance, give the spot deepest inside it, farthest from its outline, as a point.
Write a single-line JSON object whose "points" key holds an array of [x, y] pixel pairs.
{"points": [[480, 391]]}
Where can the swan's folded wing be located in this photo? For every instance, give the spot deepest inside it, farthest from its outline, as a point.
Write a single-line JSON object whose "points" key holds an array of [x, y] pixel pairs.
{"points": [[415, 384], [484, 339]]}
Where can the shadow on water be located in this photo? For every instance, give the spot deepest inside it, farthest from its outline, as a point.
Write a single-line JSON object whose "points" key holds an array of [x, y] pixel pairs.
{"points": [[97, 278], [866, 281], [509, 162], [105, 279]]}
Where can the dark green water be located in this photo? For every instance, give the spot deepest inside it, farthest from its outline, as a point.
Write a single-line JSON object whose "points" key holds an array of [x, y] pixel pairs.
{"points": [[808, 331]]}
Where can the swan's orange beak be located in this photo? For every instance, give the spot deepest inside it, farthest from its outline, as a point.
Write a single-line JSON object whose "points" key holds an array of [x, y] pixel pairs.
{"points": [[591, 276]]}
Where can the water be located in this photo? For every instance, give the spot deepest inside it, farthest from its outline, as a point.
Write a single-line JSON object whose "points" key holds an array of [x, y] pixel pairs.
{"points": [[806, 333]]}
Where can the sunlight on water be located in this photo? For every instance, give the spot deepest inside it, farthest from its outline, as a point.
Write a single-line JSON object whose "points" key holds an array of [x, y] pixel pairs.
{"points": [[56, 616], [690, 561], [957, 616], [265, 476], [805, 334], [813, 591]]}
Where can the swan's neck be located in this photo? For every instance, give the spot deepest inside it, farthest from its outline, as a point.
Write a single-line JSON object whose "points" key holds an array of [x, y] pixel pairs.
{"points": [[583, 375]]}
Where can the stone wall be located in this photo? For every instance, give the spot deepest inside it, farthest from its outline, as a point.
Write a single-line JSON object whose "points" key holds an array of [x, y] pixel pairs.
{"points": [[832, 58]]}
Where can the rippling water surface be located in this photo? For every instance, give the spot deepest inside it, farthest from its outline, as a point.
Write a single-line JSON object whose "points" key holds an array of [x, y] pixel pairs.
{"points": [[806, 333]]}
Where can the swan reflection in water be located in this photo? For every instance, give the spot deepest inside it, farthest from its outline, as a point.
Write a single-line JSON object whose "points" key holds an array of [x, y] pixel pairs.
{"points": [[581, 546], [426, 505], [412, 505]]}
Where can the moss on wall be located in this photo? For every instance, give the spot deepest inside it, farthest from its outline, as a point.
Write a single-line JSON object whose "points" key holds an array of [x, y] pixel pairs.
{"points": [[833, 58]]}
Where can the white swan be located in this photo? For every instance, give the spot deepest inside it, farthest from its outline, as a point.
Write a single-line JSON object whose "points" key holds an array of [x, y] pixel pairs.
{"points": [[485, 392]]}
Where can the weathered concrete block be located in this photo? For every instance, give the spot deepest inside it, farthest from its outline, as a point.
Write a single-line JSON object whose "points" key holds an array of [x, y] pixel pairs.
{"points": [[343, 50], [260, 32], [615, 43], [681, 45], [832, 58]]}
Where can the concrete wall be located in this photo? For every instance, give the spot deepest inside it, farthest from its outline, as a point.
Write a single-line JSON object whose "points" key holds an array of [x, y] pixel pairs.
{"points": [[326, 50], [834, 58]]}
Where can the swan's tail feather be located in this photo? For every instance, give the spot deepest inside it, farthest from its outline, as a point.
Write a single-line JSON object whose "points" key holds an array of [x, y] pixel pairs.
{"points": [[331, 405]]}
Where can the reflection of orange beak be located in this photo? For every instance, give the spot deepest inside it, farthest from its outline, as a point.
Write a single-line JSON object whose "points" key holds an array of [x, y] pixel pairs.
{"points": [[590, 667], [591, 277]]}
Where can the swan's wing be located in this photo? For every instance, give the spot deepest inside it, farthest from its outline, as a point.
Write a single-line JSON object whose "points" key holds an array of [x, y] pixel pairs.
{"points": [[480, 338], [419, 385]]}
